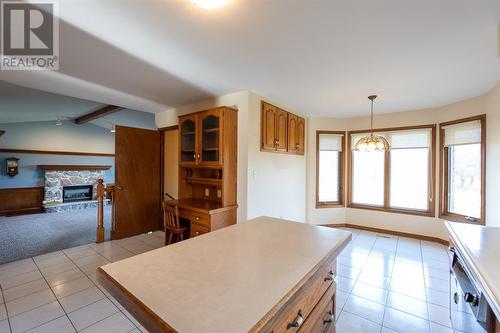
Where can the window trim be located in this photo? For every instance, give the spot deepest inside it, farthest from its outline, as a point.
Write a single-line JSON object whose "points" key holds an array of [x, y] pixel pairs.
{"points": [[387, 171], [443, 173], [341, 202]]}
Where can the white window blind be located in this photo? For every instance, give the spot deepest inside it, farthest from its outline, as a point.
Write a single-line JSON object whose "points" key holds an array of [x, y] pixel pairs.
{"points": [[330, 142], [416, 138], [462, 134]]}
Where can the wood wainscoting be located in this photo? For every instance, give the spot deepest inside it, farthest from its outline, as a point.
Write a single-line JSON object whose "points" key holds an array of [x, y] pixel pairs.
{"points": [[25, 200]]}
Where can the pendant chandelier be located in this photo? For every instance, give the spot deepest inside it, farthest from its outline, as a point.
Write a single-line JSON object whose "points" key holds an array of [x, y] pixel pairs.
{"points": [[372, 142]]}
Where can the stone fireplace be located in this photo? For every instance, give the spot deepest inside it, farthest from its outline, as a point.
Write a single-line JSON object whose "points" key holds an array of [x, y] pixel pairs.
{"points": [[70, 187]]}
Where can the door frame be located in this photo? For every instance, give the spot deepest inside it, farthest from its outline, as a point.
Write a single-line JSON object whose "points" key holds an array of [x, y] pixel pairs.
{"points": [[162, 131]]}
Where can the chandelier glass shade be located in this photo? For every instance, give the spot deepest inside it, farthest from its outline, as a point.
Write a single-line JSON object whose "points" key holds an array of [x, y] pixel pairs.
{"points": [[372, 142]]}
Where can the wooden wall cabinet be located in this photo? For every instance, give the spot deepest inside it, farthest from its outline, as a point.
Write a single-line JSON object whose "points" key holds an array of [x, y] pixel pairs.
{"points": [[281, 131]]}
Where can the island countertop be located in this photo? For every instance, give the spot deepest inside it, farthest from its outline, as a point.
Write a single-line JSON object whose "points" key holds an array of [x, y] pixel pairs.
{"points": [[480, 247], [227, 280]]}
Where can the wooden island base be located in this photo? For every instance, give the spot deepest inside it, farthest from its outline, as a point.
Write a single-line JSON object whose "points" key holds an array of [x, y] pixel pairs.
{"points": [[265, 275]]}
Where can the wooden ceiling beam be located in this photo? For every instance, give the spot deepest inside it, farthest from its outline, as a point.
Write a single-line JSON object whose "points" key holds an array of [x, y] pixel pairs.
{"points": [[108, 109]]}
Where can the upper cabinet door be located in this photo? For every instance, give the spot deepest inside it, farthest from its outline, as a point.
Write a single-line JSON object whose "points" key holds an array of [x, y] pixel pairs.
{"points": [[292, 133], [268, 127], [188, 139], [281, 130], [301, 130], [210, 139]]}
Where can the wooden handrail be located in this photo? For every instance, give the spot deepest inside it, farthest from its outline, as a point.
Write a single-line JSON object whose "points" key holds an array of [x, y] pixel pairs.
{"points": [[100, 211]]}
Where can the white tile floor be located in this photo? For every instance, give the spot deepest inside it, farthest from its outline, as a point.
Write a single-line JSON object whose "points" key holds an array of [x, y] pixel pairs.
{"points": [[58, 292], [385, 284], [392, 284]]}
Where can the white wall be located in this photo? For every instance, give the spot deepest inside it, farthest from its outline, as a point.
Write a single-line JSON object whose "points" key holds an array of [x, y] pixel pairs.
{"points": [[276, 182], [268, 184], [240, 101], [493, 157]]}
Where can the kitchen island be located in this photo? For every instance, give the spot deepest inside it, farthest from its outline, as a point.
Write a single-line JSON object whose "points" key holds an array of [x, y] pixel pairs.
{"points": [[475, 277], [265, 275]]}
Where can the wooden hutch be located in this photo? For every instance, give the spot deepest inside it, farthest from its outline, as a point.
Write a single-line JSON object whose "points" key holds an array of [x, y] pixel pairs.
{"points": [[207, 169]]}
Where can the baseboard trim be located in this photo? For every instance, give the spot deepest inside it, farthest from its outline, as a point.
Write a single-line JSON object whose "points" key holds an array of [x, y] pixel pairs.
{"points": [[390, 232]]}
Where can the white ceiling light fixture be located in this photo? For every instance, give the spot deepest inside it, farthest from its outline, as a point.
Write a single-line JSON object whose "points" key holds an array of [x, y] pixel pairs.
{"points": [[372, 142], [58, 121], [209, 4], [113, 128]]}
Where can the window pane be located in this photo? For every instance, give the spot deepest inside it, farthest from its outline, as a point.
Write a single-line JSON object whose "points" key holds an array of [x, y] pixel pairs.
{"points": [[410, 178], [328, 182], [464, 180], [368, 178]]}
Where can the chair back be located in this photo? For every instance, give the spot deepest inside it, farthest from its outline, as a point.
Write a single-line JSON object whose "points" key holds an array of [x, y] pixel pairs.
{"points": [[171, 216]]}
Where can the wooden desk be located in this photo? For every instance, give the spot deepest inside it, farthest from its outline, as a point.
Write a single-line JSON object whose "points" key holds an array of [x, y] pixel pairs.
{"points": [[259, 276], [204, 215]]}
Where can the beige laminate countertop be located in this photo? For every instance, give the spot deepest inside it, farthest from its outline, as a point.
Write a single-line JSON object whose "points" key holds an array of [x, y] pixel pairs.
{"points": [[227, 280], [480, 248]]}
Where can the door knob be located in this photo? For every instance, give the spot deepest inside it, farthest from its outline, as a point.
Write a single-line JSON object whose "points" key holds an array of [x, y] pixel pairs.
{"points": [[118, 187]]}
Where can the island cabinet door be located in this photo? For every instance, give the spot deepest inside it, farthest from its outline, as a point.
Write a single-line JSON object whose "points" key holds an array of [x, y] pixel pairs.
{"points": [[297, 312], [322, 319]]}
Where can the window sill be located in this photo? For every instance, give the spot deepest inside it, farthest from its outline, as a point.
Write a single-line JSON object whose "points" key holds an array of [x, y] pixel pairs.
{"points": [[459, 218], [392, 210], [330, 205]]}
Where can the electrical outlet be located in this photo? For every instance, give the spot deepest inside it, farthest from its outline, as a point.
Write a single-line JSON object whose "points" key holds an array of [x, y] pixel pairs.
{"points": [[207, 192], [219, 194]]}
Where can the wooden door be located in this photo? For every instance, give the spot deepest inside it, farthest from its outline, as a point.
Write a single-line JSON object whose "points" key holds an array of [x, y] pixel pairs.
{"points": [[301, 130], [210, 137], [292, 133], [281, 130], [171, 164], [268, 127], [137, 182], [188, 142]]}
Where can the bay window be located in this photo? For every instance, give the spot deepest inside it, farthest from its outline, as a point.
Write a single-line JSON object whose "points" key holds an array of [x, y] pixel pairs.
{"points": [[329, 168], [462, 169], [398, 180]]}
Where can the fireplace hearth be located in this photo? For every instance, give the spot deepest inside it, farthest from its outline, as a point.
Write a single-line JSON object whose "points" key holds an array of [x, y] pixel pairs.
{"points": [[77, 193]]}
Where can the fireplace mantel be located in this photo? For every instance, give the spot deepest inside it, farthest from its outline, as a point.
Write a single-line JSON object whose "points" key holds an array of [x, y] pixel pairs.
{"points": [[74, 167]]}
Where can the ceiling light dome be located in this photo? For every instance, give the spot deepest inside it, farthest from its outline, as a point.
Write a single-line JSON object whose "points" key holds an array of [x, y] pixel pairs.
{"points": [[209, 4], [372, 142]]}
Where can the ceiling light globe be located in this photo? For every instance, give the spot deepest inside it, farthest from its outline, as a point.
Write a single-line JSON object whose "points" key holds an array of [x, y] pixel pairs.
{"points": [[209, 4]]}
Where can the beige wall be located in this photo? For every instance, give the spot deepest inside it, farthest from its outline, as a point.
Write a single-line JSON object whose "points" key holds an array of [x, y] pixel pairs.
{"points": [[487, 104]]}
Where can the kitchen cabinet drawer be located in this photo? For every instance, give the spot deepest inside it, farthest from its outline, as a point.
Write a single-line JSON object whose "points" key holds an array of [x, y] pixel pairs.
{"points": [[197, 230], [201, 219], [297, 312], [322, 318]]}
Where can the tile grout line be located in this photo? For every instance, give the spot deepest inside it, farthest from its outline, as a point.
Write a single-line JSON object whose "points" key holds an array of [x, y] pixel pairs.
{"points": [[57, 299], [5, 307], [390, 282], [105, 296], [425, 290]]}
